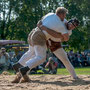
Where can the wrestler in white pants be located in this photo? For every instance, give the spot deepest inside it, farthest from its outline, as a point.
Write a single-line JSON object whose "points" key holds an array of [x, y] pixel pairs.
{"points": [[61, 54], [34, 56]]}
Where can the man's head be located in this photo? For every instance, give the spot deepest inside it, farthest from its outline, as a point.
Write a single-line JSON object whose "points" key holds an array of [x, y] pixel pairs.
{"points": [[3, 50], [72, 24], [61, 12]]}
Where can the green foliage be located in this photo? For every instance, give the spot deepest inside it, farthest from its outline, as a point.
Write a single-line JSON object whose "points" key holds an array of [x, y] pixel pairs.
{"points": [[19, 17]]}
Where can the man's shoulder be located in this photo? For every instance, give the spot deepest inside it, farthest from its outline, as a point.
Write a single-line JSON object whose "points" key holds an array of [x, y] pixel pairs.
{"points": [[48, 15]]}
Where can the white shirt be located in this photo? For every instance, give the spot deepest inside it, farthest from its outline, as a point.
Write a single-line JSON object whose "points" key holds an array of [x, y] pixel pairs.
{"points": [[53, 22], [2, 59]]}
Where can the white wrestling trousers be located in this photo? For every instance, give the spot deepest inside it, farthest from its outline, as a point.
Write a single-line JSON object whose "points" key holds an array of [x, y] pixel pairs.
{"points": [[61, 54], [34, 56]]}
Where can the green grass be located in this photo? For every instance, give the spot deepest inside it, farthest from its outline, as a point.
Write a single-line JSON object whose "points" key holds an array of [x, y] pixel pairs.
{"points": [[79, 71], [63, 71]]}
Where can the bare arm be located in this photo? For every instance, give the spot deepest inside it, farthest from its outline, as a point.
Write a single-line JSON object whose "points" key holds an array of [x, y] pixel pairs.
{"points": [[63, 37], [47, 65], [39, 23], [66, 37], [49, 31], [53, 33]]}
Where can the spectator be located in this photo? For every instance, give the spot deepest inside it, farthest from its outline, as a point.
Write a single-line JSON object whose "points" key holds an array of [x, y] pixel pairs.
{"points": [[88, 59], [4, 59], [79, 59], [11, 53], [20, 53], [13, 60], [52, 66], [76, 61]]}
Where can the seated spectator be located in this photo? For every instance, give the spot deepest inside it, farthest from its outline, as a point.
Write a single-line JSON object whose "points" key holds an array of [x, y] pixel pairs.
{"points": [[4, 59], [51, 65], [13, 60], [11, 53]]}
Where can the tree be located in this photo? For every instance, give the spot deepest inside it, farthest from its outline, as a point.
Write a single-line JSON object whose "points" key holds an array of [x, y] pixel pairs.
{"points": [[80, 10], [19, 17]]}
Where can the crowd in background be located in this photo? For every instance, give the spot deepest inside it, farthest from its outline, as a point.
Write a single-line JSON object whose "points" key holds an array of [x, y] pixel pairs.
{"points": [[77, 59], [7, 59]]}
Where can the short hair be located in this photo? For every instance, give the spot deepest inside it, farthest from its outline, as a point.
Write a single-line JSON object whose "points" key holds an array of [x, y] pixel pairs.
{"points": [[74, 21], [61, 10], [3, 48]]}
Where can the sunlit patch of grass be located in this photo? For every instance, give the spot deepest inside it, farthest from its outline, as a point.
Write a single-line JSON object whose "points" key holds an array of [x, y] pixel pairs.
{"points": [[61, 71], [79, 71]]}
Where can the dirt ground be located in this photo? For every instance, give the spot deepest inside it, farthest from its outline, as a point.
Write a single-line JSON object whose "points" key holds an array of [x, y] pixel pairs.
{"points": [[46, 82]]}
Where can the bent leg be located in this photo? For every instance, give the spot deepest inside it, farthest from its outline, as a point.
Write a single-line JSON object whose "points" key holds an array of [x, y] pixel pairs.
{"points": [[40, 56], [61, 54], [29, 54]]}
